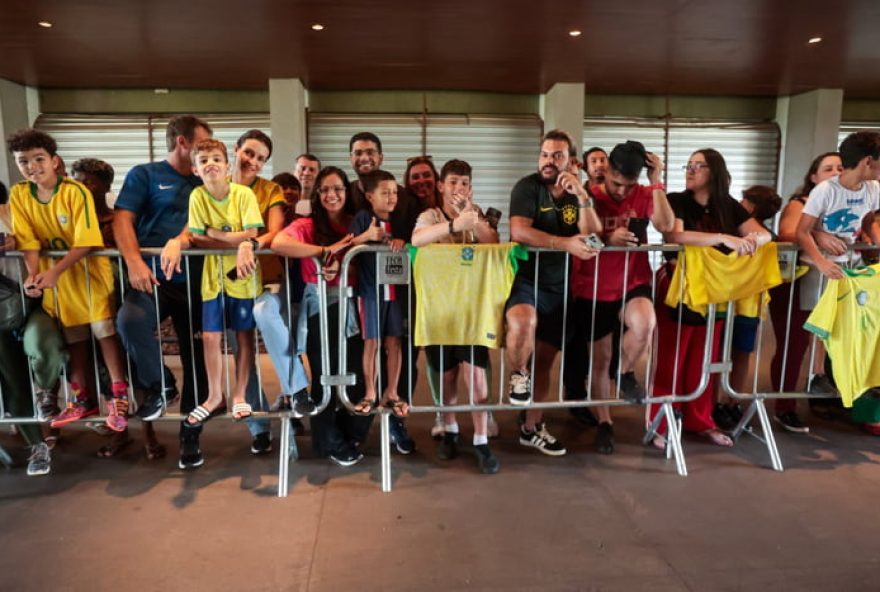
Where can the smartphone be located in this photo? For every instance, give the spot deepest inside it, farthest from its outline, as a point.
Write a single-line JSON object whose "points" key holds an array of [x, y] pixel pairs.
{"points": [[591, 240], [639, 227], [647, 165], [233, 274], [493, 216]]}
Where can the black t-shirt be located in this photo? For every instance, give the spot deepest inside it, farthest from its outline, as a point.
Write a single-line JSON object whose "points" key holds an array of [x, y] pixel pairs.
{"points": [[707, 218], [531, 199]]}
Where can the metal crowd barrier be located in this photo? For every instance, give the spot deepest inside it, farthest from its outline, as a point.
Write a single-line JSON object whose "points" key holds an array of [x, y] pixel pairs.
{"points": [[346, 377]]}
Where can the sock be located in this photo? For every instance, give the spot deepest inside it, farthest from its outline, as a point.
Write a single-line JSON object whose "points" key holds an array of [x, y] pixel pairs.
{"points": [[451, 428], [480, 439]]}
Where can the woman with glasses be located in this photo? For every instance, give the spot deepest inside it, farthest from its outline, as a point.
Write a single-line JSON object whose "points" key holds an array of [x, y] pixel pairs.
{"points": [[705, 215], [335, 433]]}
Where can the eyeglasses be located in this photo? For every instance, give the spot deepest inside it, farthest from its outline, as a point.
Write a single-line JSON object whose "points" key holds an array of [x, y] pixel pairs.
{"points": [[331, 189], [694, 167], [419, 159], [370, 152]]}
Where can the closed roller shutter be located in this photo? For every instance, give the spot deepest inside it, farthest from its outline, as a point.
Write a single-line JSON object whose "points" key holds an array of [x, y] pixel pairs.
{"points": [[607, 133], [500, 151], [121, 141], [848, 127]]}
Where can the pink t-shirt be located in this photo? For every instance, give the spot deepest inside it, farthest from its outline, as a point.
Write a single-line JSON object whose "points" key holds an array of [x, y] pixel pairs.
{"points": [[614, 214], [303, 230]]}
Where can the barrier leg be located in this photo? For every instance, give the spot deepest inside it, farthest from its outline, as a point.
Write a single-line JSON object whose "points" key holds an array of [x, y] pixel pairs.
{"points": [[744, 423], [284, 458], [385, 445], [673, 436], [5, 459], [769, 439]]}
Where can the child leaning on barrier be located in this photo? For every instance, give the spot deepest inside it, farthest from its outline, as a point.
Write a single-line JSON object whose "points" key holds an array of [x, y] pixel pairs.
{"points": [[57, 213], [459, 220], [378, 306], [222, 215]]}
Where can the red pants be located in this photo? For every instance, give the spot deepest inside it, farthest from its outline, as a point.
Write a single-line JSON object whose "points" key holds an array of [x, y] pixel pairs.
{"points": [[798, 343], [697, 415]]}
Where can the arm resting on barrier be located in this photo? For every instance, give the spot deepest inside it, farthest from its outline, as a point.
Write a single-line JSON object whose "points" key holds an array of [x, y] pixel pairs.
{"points": [[808, 244]]}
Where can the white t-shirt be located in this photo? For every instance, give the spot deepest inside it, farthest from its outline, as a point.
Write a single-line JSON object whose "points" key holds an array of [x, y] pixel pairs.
{"points": [[840, 211]]}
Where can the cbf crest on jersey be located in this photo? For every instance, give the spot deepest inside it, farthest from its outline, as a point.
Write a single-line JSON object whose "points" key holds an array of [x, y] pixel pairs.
{"points": [[467, 256], [62, 218], [569, 214]]}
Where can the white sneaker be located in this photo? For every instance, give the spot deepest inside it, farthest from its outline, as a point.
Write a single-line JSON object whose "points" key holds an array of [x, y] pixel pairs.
{"points": [[438, 429], [40, 461]]}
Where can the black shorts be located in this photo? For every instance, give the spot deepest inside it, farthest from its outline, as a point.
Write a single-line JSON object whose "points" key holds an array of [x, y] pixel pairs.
{"points": [[607, 317], [453, 355], [549, 308]]}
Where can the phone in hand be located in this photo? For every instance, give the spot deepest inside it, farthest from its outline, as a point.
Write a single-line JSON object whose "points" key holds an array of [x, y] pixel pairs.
{"points": [[639, 227], [592, 240], [233, 274], [493, 216]]}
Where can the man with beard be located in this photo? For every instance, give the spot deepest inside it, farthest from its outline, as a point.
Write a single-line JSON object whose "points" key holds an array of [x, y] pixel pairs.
{"points": [[595, 165], [306, 169], [549, 209], [365, 150]]}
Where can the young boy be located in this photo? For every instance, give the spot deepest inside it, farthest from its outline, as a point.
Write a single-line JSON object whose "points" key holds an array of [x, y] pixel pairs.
{"points": [[53, 212], [458, 220], [292, 189], [380, 314], [97, 176], [221, 215]]}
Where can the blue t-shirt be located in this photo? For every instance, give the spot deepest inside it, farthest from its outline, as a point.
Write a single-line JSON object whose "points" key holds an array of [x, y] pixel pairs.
{"points": [[159, 197], [366, 262]]}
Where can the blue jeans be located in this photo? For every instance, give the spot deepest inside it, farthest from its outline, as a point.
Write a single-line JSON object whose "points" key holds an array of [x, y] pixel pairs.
{"points": [[273, 325]]}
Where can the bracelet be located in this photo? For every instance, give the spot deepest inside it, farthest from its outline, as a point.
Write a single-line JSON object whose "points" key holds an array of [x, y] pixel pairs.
{"points": [[587, 204], [255, 243], [451, 228], [657, 186]]}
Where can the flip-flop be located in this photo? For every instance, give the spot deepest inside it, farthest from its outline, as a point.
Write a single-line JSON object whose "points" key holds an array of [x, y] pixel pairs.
{"points": [[398, 408], [202, 414], [115, 446], [365, 406], [241, 411]]}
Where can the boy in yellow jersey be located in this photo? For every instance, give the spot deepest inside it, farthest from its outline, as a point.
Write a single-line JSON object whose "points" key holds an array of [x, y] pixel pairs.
{"points": [[57, 213], [222, 215]]}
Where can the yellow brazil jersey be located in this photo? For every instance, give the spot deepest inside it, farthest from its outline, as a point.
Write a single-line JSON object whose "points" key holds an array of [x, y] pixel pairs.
{"points": [[847, 319], [710, 276], [461, 291], [269, 195], [235, 213], [66, 221]]}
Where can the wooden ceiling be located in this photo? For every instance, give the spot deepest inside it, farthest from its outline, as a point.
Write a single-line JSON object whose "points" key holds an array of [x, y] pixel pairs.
{"points": [[709, 47]]}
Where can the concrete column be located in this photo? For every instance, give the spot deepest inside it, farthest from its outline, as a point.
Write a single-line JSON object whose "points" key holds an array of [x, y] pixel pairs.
{"points": [[809, 123], [287, 116], [562, 107], [13, 116]]}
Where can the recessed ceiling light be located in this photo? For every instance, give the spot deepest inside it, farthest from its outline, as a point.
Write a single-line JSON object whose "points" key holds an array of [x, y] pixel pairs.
{"points": [[317, 27], [45, 24], [814, 40], [575, 33]]}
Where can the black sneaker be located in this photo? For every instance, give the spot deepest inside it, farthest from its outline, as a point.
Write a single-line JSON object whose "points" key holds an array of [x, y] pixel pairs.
{"points": [[486, 461], [448, 448], [282, 403], [822, 385], [303, 404], [154, 405], [190, 454], [400, 437], [735, 412], [346, 456], [584, 416], [519, 388], [604, 443], [722, 418], [542, 440], [791, 422], [630, 388], [262, 443]]}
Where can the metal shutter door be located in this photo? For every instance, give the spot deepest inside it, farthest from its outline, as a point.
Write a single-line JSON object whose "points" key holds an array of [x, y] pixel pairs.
{"points": [[227, 128], [501, 150], [607, 133], [121, 141], [401, 137], [848, 127]]}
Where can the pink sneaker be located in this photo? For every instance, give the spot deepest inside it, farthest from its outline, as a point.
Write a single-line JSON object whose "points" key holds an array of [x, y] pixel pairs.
{"points": [[76, 410], [117, 414]]}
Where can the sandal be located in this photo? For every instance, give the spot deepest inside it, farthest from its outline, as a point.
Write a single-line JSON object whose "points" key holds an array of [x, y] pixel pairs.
{"points": [[398, 408], [154, 451], [202, 414], [365, 406], [117, 444], [241, 411], [716, 437]]}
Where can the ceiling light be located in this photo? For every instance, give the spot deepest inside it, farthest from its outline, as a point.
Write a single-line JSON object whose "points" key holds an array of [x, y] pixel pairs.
{"points": [[575, 33], [814, 40], [45, 24], [317, 27], [160, 91]]}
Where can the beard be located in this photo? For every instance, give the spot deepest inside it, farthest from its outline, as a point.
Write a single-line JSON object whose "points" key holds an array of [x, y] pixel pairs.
{"points": [[548, 180]]}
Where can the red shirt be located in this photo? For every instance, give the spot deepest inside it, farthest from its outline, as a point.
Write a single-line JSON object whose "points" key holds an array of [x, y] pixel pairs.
{"points": [[303, 230], [613, 214]]}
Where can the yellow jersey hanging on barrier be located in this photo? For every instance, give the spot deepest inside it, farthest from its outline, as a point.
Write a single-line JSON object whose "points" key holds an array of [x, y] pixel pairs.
{"points": [[711, 276], [847, 319], [461, 291]]}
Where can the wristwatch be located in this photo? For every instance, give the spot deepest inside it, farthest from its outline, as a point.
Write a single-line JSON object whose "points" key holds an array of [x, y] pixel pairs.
{"points": [[254, 243]]}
